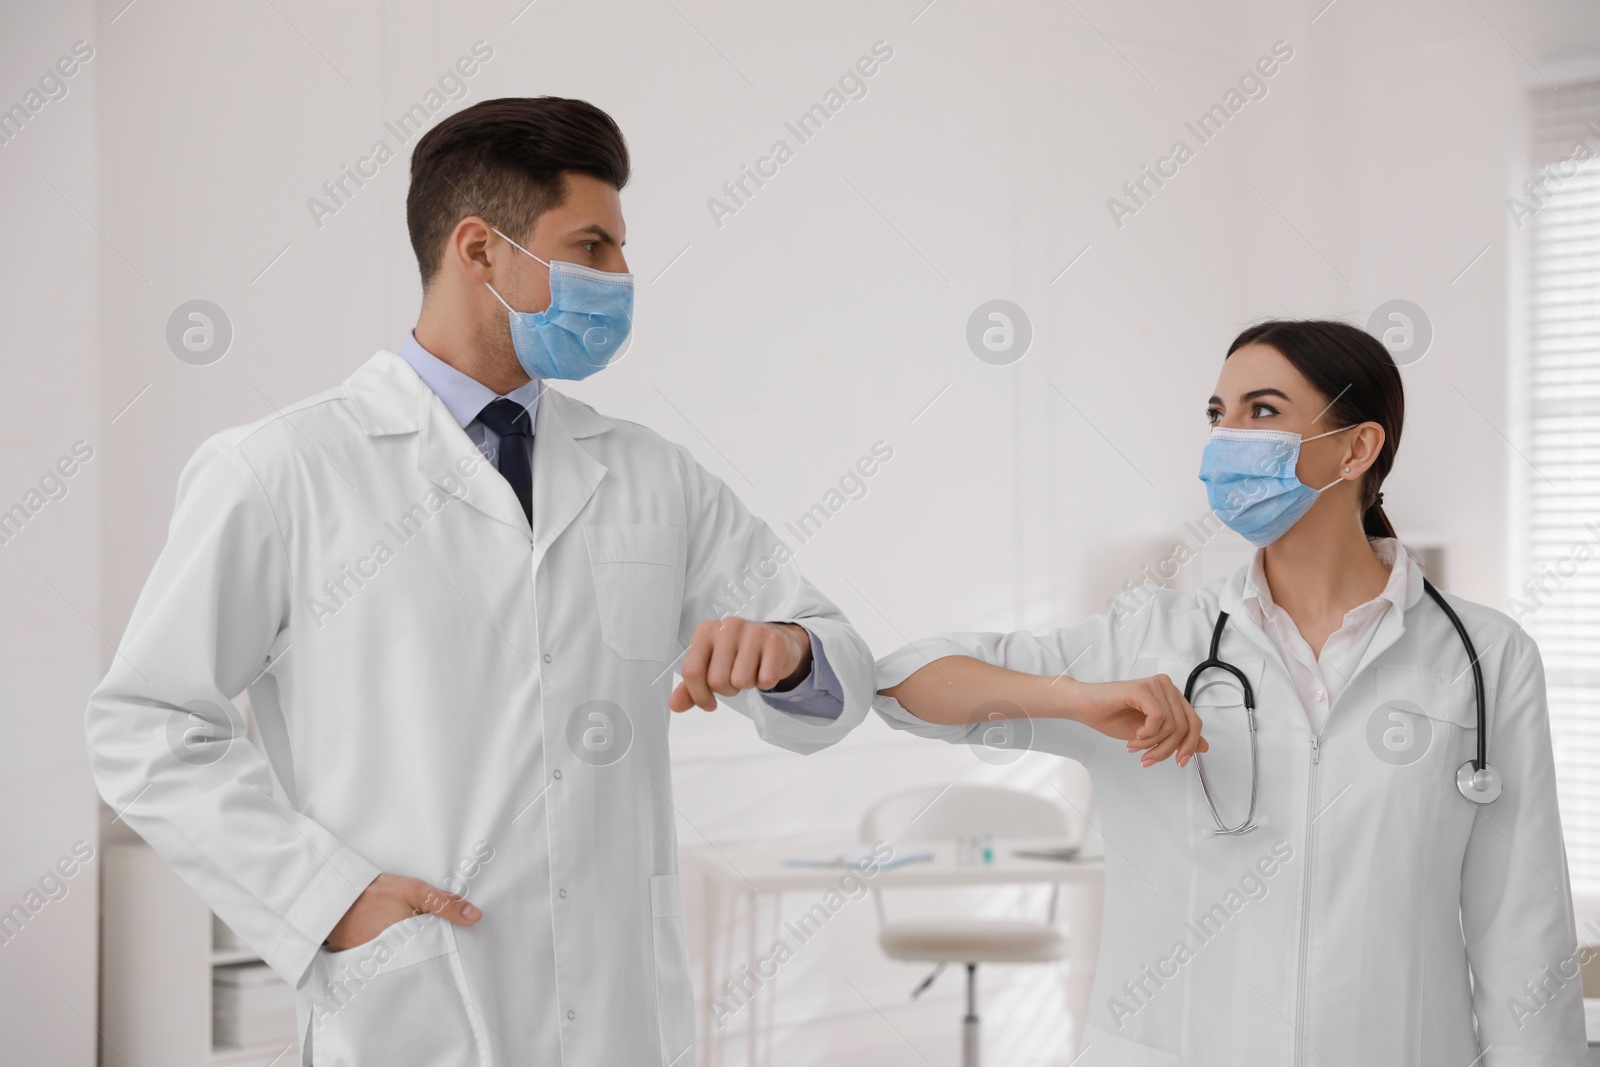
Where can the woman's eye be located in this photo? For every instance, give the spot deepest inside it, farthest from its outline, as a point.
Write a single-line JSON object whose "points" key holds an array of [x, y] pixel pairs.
{"points": [[588, 246], [1261, 411], [1212, 416]]}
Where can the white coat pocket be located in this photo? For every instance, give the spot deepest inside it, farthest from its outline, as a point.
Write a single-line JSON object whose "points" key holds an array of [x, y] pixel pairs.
{"points": [[399, 1000], [1424, 720], [674, 997], [635, 568]]}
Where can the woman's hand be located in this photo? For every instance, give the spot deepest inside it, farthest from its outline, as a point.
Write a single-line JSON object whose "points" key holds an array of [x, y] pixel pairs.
{"points": [[1149, 713]]}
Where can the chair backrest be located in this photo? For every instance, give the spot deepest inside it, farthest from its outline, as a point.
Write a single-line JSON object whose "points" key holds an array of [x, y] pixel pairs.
{"points": [[942, 812]]}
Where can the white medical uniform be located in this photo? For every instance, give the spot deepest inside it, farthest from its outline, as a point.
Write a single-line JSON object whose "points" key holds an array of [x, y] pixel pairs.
{"points": [[443, 692], [1375, 913]]}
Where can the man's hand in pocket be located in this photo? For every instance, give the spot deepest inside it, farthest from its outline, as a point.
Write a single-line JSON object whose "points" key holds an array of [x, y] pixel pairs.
{"points": [[391, 898]]}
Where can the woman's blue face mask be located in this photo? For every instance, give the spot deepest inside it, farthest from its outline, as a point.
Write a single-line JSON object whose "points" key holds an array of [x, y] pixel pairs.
{"points": [[590, 314], [1251, 482]]}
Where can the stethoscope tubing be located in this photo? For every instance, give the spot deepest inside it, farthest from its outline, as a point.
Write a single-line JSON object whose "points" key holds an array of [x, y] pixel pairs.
{"points": [[1477, 675], [1214, 661]]}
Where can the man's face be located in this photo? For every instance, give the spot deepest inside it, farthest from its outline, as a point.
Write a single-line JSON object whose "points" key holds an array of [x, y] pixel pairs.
{"points": [[587, 229]]}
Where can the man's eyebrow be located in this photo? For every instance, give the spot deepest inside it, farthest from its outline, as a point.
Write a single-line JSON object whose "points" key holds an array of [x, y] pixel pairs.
{"points": [[599, 231]]}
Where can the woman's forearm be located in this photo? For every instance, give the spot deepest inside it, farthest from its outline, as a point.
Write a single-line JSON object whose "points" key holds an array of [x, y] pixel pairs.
{"points": [[952, 690], [1148, 713]]}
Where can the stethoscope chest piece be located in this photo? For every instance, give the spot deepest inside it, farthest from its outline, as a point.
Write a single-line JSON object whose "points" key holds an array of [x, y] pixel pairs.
{"points": [[1478, 786]]}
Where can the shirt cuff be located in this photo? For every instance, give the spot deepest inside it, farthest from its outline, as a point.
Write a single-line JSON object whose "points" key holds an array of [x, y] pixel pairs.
{"points": [[818, 694]]}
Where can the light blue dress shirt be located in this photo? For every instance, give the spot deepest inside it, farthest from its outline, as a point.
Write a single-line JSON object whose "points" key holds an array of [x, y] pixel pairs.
{"points": [[818, 693], [465, 397]]}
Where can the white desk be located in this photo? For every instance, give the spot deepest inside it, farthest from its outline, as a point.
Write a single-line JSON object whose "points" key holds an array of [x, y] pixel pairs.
{"points": [[732, 874]]}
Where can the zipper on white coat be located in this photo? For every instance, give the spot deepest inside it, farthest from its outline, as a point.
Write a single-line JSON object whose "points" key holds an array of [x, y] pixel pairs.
{"points": [[1305, 905]]}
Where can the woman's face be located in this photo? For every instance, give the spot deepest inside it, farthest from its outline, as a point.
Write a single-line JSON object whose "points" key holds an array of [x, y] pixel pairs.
{"points": [[1261, 390]]}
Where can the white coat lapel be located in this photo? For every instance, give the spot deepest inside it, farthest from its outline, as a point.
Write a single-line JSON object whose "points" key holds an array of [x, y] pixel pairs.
{"points": [[389, 398], [1392, 626], [445, 452], [564, 474]]}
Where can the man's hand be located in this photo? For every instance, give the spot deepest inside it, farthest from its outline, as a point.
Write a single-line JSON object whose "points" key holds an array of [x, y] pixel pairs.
{"points": [[1149, 713], [391, 898], [728, 656]]}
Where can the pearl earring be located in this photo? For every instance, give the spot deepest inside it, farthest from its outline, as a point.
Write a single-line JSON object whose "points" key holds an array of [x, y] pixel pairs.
{"points": [[1347, 470]]}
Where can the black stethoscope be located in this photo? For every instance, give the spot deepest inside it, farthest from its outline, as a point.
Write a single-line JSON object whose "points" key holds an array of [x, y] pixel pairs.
{"points": [[1478, 782]]}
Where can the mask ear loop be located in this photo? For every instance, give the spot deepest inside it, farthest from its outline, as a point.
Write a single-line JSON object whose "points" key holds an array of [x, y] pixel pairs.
{"points": [[525, 252], [1319, 436], [502, 300], [546, 262]]}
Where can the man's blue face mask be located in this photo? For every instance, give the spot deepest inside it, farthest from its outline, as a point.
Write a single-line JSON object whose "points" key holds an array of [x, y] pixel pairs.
{"points": [[590, 314], [1251, 482]]}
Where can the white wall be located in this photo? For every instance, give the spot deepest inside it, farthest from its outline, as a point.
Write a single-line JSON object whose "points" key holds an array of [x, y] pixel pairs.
{"points": [[822, 317], [51, 644]]}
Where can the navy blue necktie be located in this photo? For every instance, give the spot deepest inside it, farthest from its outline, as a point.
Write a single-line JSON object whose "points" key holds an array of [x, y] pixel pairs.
{"points": [[511, 421]]}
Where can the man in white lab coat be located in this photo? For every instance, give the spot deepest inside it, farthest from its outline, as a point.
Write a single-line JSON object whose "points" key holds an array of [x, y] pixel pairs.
{"points": [[456, 598]]}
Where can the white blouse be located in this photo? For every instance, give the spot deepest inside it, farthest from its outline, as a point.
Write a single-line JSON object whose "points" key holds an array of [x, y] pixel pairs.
{"points": [[1320, 679]]}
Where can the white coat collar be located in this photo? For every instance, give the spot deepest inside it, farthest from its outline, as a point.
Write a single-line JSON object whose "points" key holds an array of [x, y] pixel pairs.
{"points": [[1402, 590], [389, 398], [1233, 591], [1238, 586]]}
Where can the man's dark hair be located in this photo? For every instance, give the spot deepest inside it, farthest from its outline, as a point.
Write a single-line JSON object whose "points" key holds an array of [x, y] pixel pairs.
{"points": [[503, 160]]}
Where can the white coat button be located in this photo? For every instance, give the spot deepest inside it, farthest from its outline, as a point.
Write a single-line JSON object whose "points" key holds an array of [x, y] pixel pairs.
{"points": [[1320, 695], [562, 894], [558, 774], [572, 1015], [547, 657]]}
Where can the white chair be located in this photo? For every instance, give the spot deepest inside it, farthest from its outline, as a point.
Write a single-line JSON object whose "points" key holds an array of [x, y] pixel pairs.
{"points": [[949, 812]]}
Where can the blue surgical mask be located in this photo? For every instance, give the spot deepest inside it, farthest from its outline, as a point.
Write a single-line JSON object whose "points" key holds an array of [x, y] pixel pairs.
{"points": [[590, 314], [1251, 482]]}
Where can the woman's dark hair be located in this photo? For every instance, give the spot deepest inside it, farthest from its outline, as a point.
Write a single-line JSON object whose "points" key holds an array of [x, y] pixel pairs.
{"points": [[1359, 377], [504, 160]]}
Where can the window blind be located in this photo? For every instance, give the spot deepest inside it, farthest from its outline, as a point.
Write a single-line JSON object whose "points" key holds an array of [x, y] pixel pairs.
{"points": [[1559, 211]]}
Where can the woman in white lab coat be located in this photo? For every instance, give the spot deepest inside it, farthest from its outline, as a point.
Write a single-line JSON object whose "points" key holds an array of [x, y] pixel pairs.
{"points": [[1375, 914]]}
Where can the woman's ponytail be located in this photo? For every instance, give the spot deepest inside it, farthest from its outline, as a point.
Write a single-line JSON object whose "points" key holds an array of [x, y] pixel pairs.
{"points": [[1374, 522]]}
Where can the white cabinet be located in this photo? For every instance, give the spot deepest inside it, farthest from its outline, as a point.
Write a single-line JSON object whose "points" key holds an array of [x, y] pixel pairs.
{"points": [[157, 956]]}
